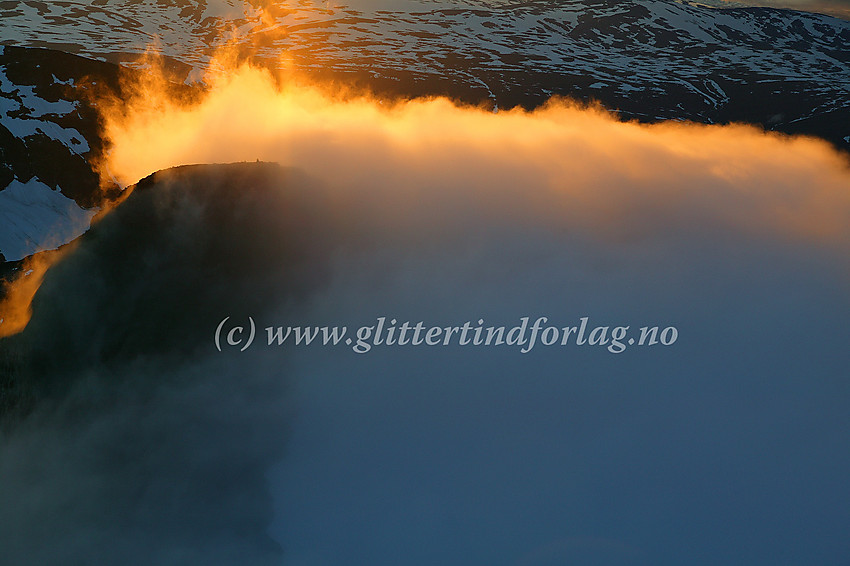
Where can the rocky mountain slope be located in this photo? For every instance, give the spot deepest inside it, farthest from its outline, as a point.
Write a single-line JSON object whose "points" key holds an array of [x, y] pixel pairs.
{"points": [[651, 59], [49, 140]]}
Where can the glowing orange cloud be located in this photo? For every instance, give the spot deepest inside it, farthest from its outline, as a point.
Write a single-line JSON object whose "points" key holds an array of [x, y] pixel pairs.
{"points": [[15, 305], [561, 166], [604, 173]]}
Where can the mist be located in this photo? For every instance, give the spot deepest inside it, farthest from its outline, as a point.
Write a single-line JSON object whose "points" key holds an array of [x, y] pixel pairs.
{"points": [[132, 440]]}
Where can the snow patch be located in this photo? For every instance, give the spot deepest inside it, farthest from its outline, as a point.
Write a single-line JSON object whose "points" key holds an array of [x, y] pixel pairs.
{"points": [[37, 218], [21, 109]]}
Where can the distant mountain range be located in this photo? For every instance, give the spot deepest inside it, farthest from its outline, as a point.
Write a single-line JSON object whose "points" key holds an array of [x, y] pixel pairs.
{"points": [[650, 60]]}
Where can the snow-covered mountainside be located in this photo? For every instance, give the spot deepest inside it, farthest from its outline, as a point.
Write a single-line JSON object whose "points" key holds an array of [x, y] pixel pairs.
{"points": [[652, 59], [649, 59], [49, 140]]}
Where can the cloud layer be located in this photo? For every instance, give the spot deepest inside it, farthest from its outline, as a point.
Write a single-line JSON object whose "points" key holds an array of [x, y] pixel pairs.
{"points": [[137, 442]]}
